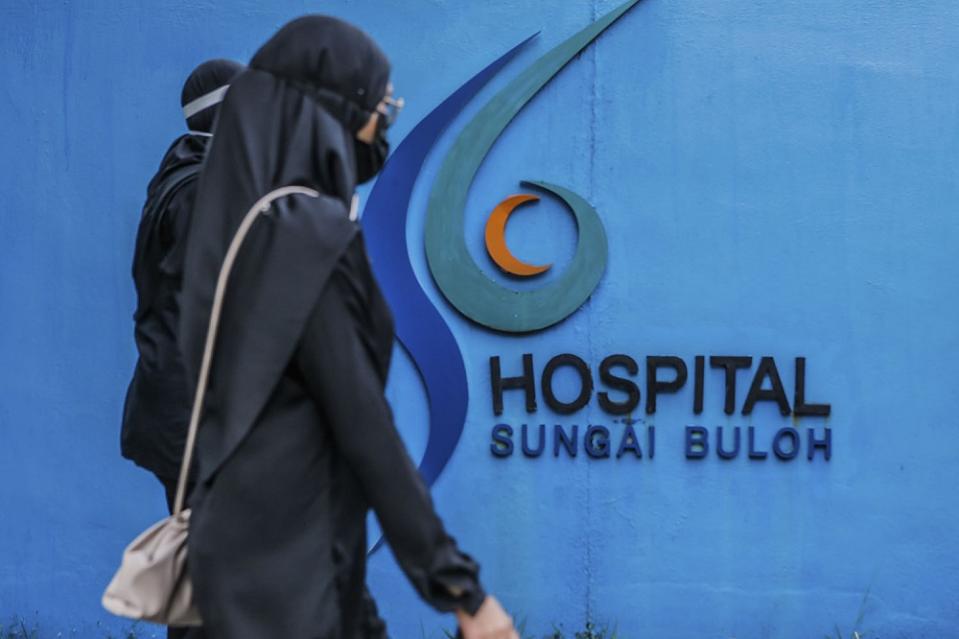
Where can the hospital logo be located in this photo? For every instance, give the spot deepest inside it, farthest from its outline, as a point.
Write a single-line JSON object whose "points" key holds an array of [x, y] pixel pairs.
{"points": [[420, 326]]}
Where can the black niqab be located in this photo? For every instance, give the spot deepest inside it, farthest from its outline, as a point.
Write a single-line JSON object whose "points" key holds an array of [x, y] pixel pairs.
{"points": [[347, 74]]}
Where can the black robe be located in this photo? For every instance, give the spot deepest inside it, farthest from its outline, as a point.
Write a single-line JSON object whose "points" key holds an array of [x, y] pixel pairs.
{"points": [[156, 409], [297, 440]]}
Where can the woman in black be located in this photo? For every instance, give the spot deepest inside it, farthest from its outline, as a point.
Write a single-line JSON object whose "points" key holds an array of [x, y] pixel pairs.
{"points": [[297, 440], [157, 407]]}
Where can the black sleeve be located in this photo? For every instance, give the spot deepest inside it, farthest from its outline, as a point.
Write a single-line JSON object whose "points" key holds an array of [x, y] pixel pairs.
{"points": [[174, 228], [339, 368]]}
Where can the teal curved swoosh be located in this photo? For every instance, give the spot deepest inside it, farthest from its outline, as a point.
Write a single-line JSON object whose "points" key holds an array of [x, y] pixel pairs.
{"points": [[462, 282]]}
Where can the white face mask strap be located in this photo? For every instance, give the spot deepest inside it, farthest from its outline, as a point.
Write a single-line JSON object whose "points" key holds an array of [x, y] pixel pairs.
{"points": [[205, 101], [355, 207], [203, 134]]}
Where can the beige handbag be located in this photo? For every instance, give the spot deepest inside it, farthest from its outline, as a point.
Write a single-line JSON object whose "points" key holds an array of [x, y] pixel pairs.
{"points": [[153, 583]]}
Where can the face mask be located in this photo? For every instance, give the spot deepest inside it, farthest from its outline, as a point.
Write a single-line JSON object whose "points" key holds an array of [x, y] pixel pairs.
{"points": [[370, 158]]}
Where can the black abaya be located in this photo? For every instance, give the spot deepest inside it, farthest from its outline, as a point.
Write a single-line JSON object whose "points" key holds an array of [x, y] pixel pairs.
{"points": [[157, 409], [297, 439]]}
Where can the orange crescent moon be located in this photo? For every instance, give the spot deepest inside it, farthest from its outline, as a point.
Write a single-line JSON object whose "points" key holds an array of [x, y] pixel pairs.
{"points": [[496, 238]]}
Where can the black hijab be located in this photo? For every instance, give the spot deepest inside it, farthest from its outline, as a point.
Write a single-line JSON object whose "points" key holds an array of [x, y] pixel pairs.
{"points": [[207, 81], [289, 120], [332, 61]]}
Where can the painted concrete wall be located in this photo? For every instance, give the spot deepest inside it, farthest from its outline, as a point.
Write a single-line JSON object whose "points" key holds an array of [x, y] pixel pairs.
{"points": [[776, 179]]}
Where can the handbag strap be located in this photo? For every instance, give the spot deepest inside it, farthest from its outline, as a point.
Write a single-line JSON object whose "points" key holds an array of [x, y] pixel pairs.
{"points": [[261, 206]]}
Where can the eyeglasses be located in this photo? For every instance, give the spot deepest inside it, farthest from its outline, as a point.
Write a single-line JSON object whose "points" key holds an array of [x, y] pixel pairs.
{"points": [[390, 109]]}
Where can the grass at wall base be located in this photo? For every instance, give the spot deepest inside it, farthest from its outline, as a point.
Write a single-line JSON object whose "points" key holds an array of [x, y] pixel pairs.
{"points": [[18, 628]]}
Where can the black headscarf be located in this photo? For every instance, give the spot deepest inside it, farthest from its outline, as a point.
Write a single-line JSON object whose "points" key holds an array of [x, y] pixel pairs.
{"points": [[206, 79], [332, 61], [288, 120]]}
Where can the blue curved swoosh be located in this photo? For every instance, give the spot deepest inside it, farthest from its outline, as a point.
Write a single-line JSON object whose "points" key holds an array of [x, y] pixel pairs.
{"points": [[419, 326]]}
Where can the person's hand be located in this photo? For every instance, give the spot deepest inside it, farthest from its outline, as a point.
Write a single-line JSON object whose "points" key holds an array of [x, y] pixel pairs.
{"points": [[489, 622]]}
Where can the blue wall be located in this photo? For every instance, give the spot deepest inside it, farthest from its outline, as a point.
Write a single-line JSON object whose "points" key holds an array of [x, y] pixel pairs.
{"points": [[776, 178]]}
